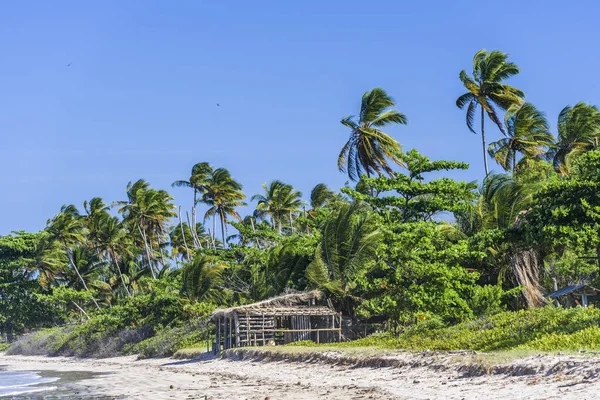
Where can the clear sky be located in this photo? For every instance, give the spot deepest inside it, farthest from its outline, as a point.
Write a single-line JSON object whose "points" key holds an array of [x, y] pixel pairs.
{"points": [[139, 99]]}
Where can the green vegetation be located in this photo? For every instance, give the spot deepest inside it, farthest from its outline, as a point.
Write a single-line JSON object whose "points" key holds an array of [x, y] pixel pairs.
{"points": [[542, 329], [446, 264]]}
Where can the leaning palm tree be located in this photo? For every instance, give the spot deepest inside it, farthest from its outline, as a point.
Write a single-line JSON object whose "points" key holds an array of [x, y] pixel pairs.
{"points": [[279, 201], [348, 247], [528, 133], [578, 131], [68, 229], [486, 90], [222, 194], [369, 148]]}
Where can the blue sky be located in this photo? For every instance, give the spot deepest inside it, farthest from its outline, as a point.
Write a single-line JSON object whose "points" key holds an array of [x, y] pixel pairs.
{"points": [[139, 98]]}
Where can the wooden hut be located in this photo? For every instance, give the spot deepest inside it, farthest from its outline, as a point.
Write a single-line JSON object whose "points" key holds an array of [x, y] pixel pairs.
{"points": [[575, 295], [291, 317]]}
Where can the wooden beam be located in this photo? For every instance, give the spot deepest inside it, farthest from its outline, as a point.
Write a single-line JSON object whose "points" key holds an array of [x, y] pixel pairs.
{"points": [[237, 329]]}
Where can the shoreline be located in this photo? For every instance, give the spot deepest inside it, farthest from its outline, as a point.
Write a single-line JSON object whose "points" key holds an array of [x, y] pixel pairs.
{"points": [[252, 375]]}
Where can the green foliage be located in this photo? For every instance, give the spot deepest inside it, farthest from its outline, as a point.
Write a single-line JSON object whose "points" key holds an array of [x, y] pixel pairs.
{"points": [[369, 148], [547, 328], [416, 199], [347, 251], [421, 273], [486, 90], [167, 341], [20, 304], [528, 133]]}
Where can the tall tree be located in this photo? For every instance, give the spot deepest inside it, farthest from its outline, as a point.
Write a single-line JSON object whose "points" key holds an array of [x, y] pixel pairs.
{"points": [[222, 194], [279, 201], [528, 133], [197, 181], [578, 131], [68, 228], [416, 199], [369, 148], [486, 90], [147, 212]]}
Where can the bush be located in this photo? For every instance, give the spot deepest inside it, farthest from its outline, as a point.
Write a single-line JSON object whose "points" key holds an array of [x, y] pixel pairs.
{"points": [[548, 328], [167, 341]]}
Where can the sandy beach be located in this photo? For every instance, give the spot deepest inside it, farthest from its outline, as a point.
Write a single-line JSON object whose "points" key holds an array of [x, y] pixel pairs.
{"points": [[128, 378]]}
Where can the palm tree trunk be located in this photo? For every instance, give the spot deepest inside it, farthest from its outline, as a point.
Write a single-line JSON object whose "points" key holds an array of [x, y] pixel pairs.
{"points": [[485, 163], [195, 237], [78, 274], [214, 232], [114, 260], [222, 218], [147, 250], [187, 251], [514, 162]]}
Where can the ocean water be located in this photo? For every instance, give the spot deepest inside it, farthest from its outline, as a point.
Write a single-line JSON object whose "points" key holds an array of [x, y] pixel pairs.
{"points": [[44, 385], [17, 383]]}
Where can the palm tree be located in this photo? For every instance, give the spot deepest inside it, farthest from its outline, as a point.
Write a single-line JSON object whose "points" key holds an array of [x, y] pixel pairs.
{"points": [[203, 278], [320, 196], [147, 212], [223, 194], [68, 229], [369, 148], [578, 131], [527, 133], [113, 241], [280, 201], [197, 181], [181, 234], [348, 246], [486, 90]]}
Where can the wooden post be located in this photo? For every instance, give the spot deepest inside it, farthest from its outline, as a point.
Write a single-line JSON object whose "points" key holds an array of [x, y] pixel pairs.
{"points": [[248, 341], [263, 329], [340, 328], [224, 333], [318, 331], [218, 338], [237, 329], [230, 337]]}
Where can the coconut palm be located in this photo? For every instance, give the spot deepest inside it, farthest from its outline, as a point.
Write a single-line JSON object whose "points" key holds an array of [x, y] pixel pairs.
{"points": [[181, 235], [222, 194], [203, 278], [348, 245], [486, 90], [320, 196], [113, 241], [369, 148], [197, 182], [527, 133], [578, 131], [147, 212], [68, 229], [279, 201]]}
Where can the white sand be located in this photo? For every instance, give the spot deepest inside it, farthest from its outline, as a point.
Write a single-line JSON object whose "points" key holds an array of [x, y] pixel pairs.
{"points": [[224, 379]]}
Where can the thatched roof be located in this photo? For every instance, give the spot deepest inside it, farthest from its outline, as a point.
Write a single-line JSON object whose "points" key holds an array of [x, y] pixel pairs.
{"points": [[286, 303]]}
